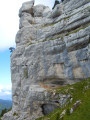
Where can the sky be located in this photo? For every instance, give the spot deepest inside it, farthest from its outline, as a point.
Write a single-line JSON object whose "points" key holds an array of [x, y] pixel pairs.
{"points": [[9, 25]]}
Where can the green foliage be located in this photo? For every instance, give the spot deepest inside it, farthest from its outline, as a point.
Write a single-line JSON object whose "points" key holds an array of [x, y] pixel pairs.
{"points": [[56, 2], [28, 44], [65, 18], [4, 111], [62, 118], [68, 111], [89, 39], [15, 114], [58, 116], [26, 73], [77, 30], [79, 91], [5, 104], [50, 24]]}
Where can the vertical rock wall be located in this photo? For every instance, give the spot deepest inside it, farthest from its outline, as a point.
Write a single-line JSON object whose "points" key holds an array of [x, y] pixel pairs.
{"points": [[52, 49]]}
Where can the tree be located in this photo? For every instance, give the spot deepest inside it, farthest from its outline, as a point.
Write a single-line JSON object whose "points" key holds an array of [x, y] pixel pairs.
{"points": [[3, 112], [56, 2], [11, 49]]}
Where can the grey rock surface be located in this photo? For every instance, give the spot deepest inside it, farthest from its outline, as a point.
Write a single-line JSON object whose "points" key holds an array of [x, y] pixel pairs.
{"points": [[52, 49], [27, 7]]}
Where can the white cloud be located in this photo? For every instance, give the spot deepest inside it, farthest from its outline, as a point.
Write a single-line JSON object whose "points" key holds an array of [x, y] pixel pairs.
{"points": [[1, 87], [8, 23], [7, 93], [9, 20], [5, 89]]}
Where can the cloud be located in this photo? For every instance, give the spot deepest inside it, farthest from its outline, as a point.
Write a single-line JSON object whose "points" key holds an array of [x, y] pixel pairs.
{"points": [[5, 87], [1, 87], [7, 93], [8, 23], [5, 90], [9, 20]]}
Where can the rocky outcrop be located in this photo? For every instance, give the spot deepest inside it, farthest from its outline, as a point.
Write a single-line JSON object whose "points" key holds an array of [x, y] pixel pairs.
{"points": [[52, 49]]}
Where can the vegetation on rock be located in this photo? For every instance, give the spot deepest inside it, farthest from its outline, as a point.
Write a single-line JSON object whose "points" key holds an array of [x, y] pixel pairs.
{"points": [[5, 106], [79, 92], [3, 112]]}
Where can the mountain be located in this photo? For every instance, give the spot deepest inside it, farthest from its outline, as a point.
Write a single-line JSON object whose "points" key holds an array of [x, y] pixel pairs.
{"points": [[6, 94], [77, 105], [5, 97], [52, 51], [5, 104]]}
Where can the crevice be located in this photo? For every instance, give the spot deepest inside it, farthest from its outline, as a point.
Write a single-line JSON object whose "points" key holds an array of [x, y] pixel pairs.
{"points": [[48, 108]]}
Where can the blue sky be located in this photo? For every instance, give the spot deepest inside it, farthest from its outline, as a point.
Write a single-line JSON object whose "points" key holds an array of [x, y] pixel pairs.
{"points": [[9, 22], [5, 77]]}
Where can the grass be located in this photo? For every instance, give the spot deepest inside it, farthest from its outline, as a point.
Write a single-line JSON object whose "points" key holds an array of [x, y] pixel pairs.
{"points": [[79, 91], [15, 114], [65, 18], [89, 39], [77, 30], [26, 73], [83, 111]]}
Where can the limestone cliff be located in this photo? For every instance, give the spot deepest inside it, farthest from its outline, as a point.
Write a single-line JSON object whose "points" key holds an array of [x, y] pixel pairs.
{"points": [[52, 49]]}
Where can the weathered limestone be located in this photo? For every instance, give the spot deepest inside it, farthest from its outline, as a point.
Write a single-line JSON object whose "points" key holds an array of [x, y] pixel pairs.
{"points": [[52, 49], [27, 7], [58, 10]]}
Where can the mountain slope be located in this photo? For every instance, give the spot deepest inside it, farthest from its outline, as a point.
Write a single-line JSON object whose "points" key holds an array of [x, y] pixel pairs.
{"points": [[79, 92], [52, 50]]}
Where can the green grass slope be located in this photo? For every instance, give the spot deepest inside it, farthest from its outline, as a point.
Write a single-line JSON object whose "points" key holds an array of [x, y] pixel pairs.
{"points": [[79, 92]]}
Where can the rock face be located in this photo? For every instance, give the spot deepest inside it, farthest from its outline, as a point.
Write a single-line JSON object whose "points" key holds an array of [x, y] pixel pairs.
{"points": [[52, 49]]}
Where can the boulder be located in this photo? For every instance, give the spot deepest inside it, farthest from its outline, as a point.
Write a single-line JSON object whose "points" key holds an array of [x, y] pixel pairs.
{"points": [[27, 7], [38, 10], [57, 11], [46, 12]]}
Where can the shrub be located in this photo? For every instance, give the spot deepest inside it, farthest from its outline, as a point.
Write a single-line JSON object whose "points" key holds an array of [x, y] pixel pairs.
{"points": [[68, 111], [26, 73], [3, 112], [58, 116]]}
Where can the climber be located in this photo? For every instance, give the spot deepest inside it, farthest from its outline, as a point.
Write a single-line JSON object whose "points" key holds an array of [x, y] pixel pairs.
{"points": [[56, 2]]}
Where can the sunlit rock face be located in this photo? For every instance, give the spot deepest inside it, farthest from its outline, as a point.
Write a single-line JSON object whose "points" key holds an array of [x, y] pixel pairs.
{"points": [[52, 49]]}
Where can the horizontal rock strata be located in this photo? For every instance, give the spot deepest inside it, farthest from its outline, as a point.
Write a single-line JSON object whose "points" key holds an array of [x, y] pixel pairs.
{"points": [[52, 49]]}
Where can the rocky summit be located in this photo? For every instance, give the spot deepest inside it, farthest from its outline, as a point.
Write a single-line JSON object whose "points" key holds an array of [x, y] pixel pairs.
{"points": [[52, 50]]}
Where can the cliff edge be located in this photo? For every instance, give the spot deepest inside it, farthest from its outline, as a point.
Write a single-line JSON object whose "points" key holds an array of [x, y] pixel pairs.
{"points": [[52, 50]]}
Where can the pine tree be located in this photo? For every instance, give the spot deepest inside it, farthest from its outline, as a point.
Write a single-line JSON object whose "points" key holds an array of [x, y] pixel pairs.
{"points": [[3, 112]]}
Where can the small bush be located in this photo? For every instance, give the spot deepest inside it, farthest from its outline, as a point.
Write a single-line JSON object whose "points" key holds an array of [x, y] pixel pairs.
{"points": [[3, 112], [58, 116], [26, 73], [68, 111], [62, 118], [15, 114]]}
